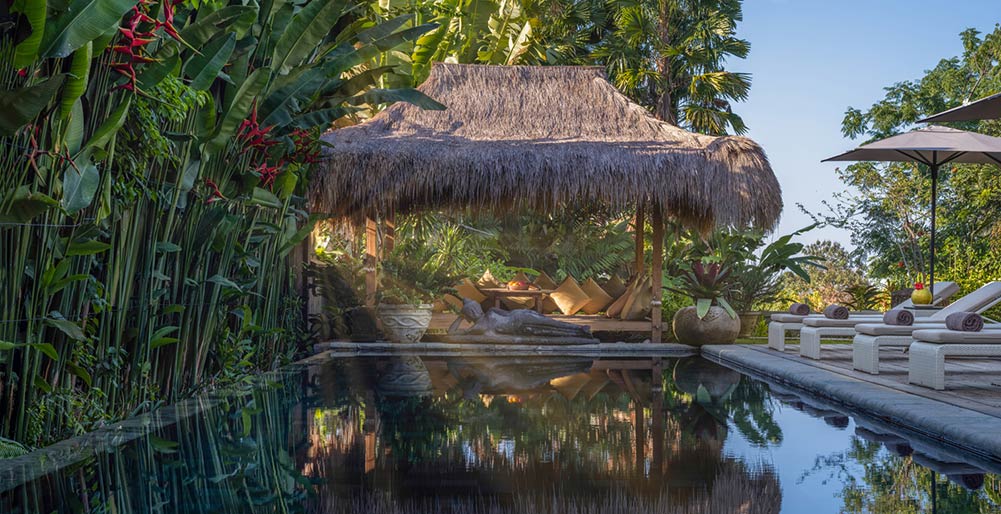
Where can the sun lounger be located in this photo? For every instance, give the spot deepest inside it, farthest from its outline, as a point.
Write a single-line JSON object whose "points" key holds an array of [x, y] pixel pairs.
{"points": [[926, 365], [870, 337], [814, 327]]}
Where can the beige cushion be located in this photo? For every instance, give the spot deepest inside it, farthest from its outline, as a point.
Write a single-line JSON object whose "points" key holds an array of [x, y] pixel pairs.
{"points": [[453, 302], [487, 281], [638, 305], [615, 309], [521, 277], [569, 297], [544, 281], [467, 289], [614, 287], [599, 298]]}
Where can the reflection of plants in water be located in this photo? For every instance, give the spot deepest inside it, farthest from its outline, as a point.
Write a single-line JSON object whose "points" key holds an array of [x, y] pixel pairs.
{"points": [[414, 428], [894, 484], [705, 395], [232, 458]]}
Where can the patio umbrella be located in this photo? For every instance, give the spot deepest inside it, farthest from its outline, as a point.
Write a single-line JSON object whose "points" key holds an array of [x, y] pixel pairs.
{"points": [[933, 146], [988, 108]]}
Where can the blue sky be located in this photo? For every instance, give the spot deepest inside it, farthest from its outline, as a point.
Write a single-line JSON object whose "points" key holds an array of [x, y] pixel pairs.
{"points": [[811, 59]]}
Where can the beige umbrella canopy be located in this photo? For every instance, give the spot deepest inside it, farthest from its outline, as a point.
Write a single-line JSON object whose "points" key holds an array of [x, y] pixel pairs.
{"points": [[934, 146], [988, 108], [540, 137]]}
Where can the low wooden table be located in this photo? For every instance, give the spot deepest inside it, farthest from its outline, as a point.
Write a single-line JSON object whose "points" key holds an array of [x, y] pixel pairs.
{"points": [[499, 293]]}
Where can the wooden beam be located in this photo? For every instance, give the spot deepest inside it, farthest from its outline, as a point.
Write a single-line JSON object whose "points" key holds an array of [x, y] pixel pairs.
{"points": [[638, 223], [389, 235], [371, 261], [656, 274]]}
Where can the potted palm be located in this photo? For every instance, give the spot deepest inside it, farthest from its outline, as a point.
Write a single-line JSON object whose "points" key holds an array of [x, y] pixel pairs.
{"points": [[757, 280], [711, 320], [407, 290]]}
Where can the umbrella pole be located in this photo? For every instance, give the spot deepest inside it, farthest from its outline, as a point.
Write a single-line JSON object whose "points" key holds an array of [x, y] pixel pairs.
{"points": [[934, 202]]}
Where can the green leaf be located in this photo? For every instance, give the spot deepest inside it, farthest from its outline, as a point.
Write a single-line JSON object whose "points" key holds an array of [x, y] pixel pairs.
{"points": [[167, 247], [209, 25], [19, 106], [240, 107], [203, 69], [702, 306], [80, 186], [23, 205], [46, 348], [89, 247], [27, 50], [159, 338], [41, 384], [81, 22], [107, 130], [282, 102], [72, 330], [323, 117], [409, 95], [73, 136], [265, 198], [80, 372], [6, 346], [163, 445], [726, 307], [154, 73], [77, 82], [305, 32], [223, 281]]}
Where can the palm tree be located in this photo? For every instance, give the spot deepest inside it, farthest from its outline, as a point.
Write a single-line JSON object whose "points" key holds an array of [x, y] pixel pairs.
{"points": [[669, 55]]}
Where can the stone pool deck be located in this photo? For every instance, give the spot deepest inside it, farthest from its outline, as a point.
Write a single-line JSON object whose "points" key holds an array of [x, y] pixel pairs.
{"points": [[966, 416]]}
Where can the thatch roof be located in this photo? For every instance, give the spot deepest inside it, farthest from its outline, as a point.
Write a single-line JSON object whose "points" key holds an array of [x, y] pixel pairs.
{"points": [[541, 137]]}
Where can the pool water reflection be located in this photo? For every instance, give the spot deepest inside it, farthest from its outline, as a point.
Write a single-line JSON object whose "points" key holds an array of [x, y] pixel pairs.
{"points": [[514, 434]]}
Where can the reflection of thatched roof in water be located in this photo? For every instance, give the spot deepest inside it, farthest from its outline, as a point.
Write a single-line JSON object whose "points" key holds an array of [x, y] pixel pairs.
{"points": [[736, 489], [540, 136]]}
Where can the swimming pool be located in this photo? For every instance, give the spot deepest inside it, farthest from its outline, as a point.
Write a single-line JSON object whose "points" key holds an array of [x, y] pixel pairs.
{"points": [[502, 434]]}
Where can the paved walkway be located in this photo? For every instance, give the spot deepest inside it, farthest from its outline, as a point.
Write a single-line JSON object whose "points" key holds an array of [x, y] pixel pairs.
{"points": [[965, 416]]}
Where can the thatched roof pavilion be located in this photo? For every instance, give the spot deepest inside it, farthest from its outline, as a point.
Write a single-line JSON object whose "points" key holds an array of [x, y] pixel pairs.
{"points": [[542, 137]]}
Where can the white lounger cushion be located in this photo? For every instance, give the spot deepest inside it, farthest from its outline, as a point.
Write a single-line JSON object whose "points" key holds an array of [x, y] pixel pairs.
{"points": [[882, 329], [786, 317], [989, 335], [850, 322]]}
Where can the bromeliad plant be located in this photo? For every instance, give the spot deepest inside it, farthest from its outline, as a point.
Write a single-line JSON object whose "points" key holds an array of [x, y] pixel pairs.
{"points": [[708, 283]]}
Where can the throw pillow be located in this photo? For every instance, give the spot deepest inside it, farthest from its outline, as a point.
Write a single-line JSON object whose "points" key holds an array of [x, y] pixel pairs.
{"points": [[569, 297], [599, 298]]}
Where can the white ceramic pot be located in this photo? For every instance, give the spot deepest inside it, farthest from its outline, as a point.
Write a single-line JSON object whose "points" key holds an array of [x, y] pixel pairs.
{"points": [[404, 323]]}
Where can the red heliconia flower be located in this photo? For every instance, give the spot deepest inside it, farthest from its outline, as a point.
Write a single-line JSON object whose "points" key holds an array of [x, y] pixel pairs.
{"points": [[215, 195], [307, 148], [253, 135], [268, 173], [23, 72], [900, 264]]}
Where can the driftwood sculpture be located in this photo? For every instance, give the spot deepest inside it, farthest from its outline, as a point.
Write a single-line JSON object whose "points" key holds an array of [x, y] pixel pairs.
{"points": [[520, 326]]}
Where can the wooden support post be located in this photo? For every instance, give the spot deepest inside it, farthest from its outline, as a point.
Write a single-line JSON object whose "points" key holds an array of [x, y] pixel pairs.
{"points": [[656, 274], [371, 261], [638, 237], [389, 235]]}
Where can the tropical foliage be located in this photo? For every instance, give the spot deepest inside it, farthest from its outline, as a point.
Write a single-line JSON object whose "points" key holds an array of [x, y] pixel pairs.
{"points": [[155, 156], [887, 210]]}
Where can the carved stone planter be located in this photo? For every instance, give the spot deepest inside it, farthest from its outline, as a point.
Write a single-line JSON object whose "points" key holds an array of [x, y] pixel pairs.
{"points": [[404, 323], [717, 327], [406, 376], [748, 322]]}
